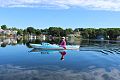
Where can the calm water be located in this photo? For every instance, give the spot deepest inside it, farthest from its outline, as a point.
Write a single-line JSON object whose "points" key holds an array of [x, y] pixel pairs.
{"points": [[96, 60]]}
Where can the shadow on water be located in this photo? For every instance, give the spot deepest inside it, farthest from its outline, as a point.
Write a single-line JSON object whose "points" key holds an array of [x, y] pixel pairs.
{"points": [[37, 50]]}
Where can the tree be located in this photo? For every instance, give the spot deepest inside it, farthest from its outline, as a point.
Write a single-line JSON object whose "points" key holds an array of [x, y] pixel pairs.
{"points": [[113, 33], [20, 32], [78, 29], [30, 30], [25, 32], [37, 32], [85, 34], [55, 31], [68, 31], [4, 27], [13, 28]]}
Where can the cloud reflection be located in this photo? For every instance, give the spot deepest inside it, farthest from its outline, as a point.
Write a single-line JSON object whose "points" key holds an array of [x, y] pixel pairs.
{"points": [[10, 72]]}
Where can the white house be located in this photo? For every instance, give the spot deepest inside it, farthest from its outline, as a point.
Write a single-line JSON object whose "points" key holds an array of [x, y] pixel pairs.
{"points": [[8, 32], [118, 38], [1, 31]]}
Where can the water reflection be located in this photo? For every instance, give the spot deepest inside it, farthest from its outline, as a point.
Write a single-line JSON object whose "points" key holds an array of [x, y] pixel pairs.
{"points": [[9, 41], [11, 72], [62, 52], [16, 63], [14, 41], [82, 42], [103, 46], [107, 50], [43, 51]]}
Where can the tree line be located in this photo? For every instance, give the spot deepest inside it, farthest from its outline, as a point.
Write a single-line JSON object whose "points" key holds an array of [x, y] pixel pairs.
{"points": [[86, 33], [53, 31], [107, 33]]}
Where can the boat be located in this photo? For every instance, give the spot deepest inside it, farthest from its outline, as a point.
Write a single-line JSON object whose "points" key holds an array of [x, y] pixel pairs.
{"points": [[48, 46]]}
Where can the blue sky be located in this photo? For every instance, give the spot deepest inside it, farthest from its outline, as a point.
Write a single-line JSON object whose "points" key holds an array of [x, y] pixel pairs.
{"points": [[60, 13]]}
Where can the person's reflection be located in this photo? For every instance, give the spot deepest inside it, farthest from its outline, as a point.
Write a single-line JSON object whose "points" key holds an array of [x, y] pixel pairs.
{"points": [[63, 53], [34, 50]]}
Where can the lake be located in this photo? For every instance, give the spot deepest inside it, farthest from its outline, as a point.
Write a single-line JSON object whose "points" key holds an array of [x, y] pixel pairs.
{"points": [[95, 60]]}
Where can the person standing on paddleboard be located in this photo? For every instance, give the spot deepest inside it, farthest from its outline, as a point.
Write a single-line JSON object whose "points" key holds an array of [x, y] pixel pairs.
{"points": [[63, 43]]}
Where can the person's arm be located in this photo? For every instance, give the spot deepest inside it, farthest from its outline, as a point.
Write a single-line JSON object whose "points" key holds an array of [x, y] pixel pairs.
{"points": [[62, 43], [65, 43]]}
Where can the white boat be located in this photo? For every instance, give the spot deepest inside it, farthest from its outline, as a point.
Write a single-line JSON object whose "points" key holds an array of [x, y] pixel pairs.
{"points": [[47, 46]]}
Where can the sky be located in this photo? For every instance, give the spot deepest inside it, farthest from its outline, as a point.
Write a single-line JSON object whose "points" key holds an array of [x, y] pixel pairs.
{"points": [[60, 13]]}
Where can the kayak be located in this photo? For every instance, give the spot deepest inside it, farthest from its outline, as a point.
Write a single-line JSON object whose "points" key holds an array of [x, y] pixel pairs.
{"points": [[48, 46]]}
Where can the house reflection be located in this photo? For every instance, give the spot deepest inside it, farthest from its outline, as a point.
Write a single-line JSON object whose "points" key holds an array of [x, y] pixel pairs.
{"points": [[9, 41], [14, 41]]}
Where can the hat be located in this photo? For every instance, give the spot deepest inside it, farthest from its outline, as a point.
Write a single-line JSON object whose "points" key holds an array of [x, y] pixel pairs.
{"points": [[63, 37]]}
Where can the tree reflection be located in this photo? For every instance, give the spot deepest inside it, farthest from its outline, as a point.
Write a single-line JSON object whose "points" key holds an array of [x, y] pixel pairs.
{"points": [[3, 45], [104, 46]]}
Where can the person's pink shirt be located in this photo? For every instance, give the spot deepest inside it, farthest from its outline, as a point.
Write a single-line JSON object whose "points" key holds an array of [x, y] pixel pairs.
{"points": [[63, 44]]}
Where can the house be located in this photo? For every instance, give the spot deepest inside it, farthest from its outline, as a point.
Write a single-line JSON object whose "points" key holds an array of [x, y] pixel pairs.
{"points": [[32, 36], [75, 34], [8, 33], [118, 37], [74, 38], [43, 36], [14, 33], [1, 31], [100, 37]]}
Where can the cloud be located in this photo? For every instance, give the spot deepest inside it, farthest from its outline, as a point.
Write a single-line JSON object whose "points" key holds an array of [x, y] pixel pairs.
{"points": [[111, 5]]}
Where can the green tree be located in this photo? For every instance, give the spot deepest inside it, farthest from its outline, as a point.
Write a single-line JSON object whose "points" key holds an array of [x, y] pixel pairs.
{"points": [[37, 32], [4, 27], [113, 33], [19, 32], [68, 31], [78, 29], [14, 28], [25, 32], [56, 31], [30, 30]]}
